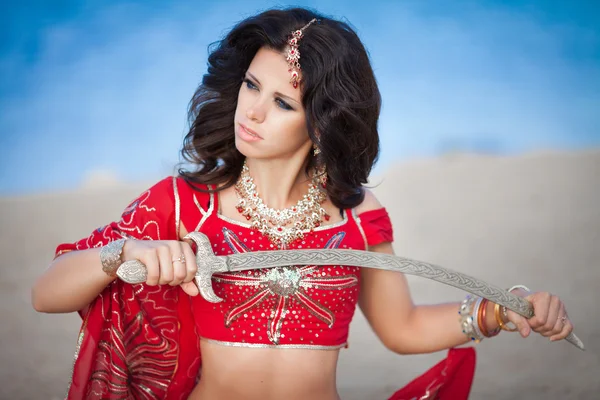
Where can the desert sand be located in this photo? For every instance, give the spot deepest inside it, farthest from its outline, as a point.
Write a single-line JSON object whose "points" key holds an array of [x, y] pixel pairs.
{"points": [[532, 219]]}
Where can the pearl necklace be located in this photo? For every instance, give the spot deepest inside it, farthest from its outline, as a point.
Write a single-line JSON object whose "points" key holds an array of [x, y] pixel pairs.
{"points": [[305, 216]]}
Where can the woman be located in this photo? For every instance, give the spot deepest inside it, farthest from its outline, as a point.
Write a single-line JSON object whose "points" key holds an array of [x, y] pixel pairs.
{"points": [[283, 136]]}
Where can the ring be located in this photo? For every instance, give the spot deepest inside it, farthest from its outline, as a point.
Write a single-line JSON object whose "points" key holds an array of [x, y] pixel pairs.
{"points": [[181, 259]]}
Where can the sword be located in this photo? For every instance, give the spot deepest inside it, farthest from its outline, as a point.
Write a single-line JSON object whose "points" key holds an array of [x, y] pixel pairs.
{"points": [[134, 271]]}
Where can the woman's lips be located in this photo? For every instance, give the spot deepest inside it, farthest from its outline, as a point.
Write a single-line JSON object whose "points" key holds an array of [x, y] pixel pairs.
{"points": [[248, 134]]}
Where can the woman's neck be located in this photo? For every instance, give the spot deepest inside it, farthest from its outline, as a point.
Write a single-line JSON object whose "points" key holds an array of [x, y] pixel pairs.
{"points": [[280, 183]]}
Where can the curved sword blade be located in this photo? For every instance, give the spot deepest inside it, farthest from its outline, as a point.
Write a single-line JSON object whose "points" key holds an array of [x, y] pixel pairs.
{"points": [[366, 259], [208, 264]]}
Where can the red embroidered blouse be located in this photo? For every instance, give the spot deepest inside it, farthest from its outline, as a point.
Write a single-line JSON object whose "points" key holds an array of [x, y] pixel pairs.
{"points": [[298, 306]]}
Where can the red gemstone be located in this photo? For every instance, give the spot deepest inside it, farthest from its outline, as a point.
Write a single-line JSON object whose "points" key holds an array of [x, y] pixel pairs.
{"points": [[327, 217], [248, 217], [318, 224]]}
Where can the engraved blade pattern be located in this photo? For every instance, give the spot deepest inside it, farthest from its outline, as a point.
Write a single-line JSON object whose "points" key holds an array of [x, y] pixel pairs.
{"points": [[365, 259], [357, 258]]}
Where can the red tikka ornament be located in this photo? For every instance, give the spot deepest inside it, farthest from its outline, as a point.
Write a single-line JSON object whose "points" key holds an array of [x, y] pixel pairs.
{"points": [[293, 54]]}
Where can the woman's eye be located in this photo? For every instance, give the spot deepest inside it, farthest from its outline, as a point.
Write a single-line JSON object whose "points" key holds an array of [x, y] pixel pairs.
{"points": [[250, 85], [283, 104]]}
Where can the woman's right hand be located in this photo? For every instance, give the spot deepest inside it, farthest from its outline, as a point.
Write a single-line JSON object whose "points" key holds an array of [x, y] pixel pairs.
{"points": [[164, 262]]}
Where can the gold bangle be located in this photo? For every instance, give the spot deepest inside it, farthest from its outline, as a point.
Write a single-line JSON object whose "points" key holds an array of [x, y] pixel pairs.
{"points": [[499, 320], [480, 320], [483, 317]]}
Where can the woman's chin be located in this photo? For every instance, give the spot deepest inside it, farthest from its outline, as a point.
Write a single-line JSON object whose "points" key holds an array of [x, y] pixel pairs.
{"points": [[248, 150]]}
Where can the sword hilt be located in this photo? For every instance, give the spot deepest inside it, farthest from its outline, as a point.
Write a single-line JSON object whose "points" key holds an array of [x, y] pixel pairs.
{"points": [[134, 271]]}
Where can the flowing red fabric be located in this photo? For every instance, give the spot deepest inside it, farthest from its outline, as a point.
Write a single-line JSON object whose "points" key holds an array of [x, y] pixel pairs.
{"points": [[450, 379], [136, 341], [140, 342]]}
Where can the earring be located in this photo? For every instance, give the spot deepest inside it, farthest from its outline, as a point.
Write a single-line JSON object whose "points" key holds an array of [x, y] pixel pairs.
{"points": [[316, 150]]}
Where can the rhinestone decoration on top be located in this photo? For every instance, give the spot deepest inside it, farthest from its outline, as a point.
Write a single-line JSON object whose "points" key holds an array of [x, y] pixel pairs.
{"points": [[284, 292], [282, 227]]}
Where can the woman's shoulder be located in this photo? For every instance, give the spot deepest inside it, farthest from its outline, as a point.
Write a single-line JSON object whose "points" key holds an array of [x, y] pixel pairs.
{"points": [[194, 202], [174, 200], [182, 182], [160, 192], [369, 203], [171, 191], [186, 189], [374, 220]]}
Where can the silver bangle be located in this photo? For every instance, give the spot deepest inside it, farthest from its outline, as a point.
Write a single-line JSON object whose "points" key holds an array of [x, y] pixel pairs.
{"points": [[110, 256], [475, 315], [467, 320], [519, 287]]}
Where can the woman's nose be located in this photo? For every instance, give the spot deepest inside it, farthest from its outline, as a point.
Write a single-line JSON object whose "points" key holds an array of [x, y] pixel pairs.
{"points": [[256, 112]]}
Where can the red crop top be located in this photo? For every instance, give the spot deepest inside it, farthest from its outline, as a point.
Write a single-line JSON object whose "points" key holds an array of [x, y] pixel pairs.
{"points": [[297, 307]]}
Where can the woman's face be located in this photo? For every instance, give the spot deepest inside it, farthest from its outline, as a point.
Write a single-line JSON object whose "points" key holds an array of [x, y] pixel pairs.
{"points": [[269, 118]]}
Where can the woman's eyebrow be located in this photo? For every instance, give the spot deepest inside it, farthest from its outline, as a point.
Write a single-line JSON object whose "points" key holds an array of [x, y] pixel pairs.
{"points": [[254, 78]]}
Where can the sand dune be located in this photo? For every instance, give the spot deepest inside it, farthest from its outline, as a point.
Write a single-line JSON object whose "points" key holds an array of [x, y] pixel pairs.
{"points": [[532, 219]]}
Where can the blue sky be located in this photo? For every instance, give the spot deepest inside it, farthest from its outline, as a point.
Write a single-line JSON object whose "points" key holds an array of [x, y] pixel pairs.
{"points": [[101, 87]]}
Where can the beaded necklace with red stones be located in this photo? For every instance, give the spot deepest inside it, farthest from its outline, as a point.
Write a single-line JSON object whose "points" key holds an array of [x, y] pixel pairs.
{"points": [[284, 226]]}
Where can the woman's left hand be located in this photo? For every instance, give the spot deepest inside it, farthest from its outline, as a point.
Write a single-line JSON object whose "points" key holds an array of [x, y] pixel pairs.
{"points": [[550, 319]]}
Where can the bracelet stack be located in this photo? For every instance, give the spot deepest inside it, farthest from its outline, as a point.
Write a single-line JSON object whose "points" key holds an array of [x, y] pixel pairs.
{"points": [[481, 318], [472, 319]]}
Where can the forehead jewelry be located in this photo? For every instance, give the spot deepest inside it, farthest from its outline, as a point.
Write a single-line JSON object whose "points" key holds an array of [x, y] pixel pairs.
{"points": [[293, 54]]}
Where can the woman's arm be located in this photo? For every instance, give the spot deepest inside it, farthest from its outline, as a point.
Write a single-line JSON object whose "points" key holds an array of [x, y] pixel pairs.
{"points": [[408, 329], [386, 302], [401, 326], [76, 278], [70, 283]]}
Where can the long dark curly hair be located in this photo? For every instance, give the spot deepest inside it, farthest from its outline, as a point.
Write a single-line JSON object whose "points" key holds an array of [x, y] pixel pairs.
{"points": [[339, 93]]}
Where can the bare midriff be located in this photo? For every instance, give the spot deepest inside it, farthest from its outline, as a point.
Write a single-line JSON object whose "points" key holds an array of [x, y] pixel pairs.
{"points": [[266, 373]]}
